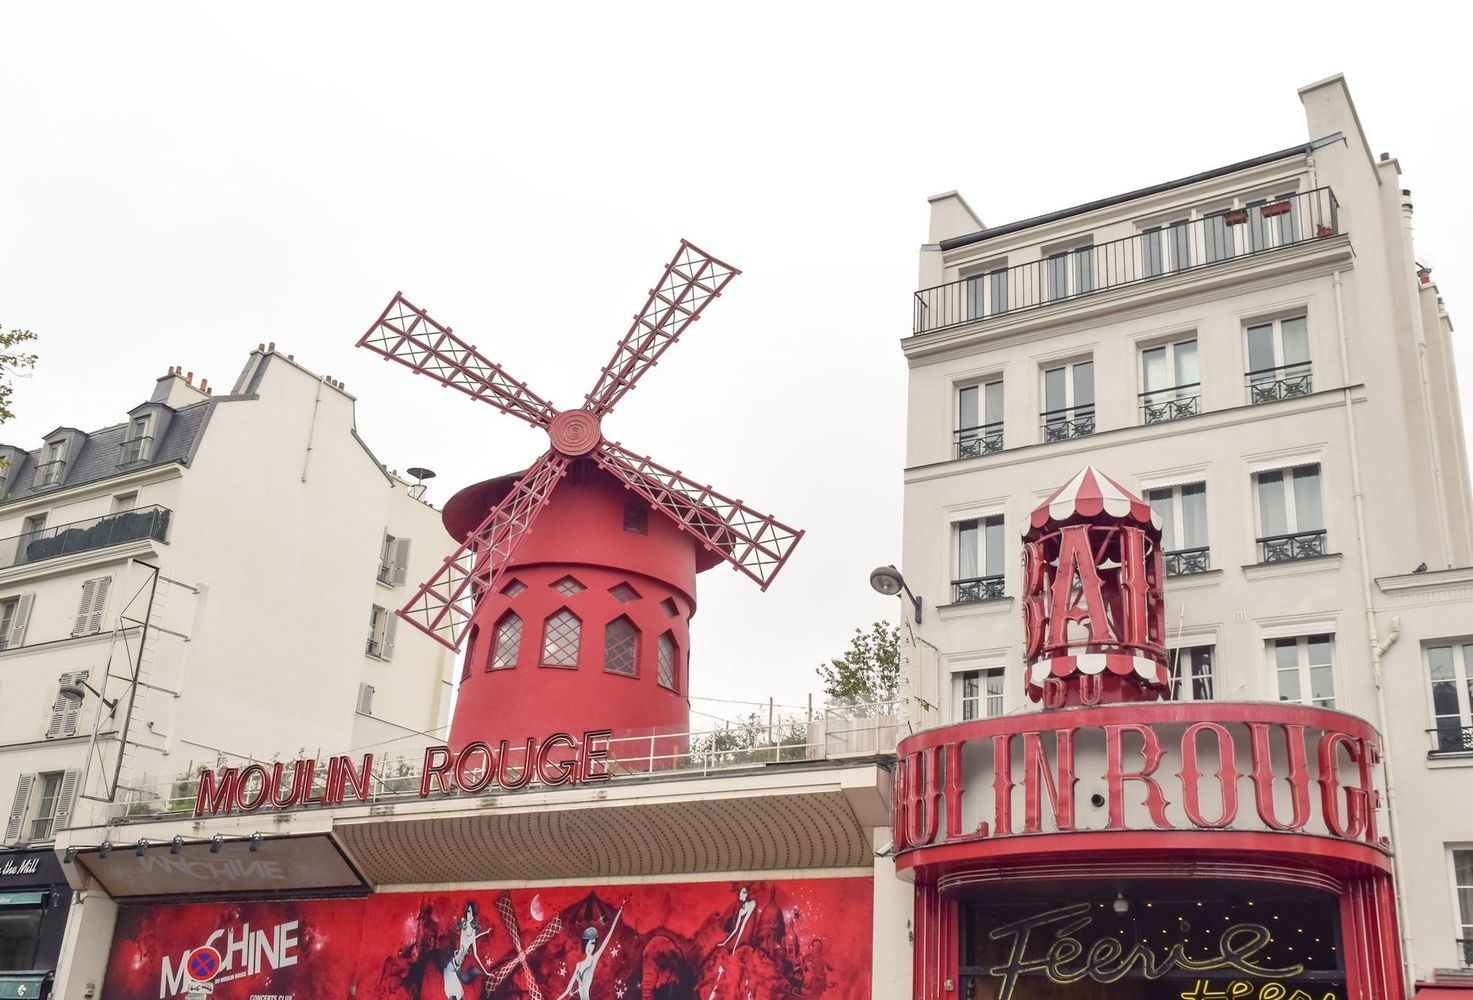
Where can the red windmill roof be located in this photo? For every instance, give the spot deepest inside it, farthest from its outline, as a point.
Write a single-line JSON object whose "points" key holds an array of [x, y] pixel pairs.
{"points": [[1088, 495]]}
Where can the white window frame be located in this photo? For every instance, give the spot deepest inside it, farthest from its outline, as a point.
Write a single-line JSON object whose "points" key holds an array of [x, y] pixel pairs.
{"points": [[981, 519], [393, 561], [52, 467], [1170, 244], [1462, 663], [1073, 252], [991, 280], [26, 802], [136, 443], [1188, 684], [15, 615], [1291, 512], [382, 625], [1070, 395], [1462, 922], [1301, 640], [1172, 392], [1178, 521], [1276, 323], [989, 704], [983, 387]]}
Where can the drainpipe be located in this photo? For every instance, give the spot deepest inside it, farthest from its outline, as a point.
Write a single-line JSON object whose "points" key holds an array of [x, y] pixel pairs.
{"points": [[1377, 647], [1434, 454], [311, 431]]}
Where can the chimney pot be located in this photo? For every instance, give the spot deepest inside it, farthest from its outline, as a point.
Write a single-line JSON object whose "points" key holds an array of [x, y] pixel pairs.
{"points": [[261, 348], [1385, 157], [209, 392], [204, 385], [189, 377], [271, 346]]}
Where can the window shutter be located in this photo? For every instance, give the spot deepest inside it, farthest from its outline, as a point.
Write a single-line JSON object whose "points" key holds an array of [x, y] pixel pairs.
{"points": [[66, 797], [94, 599], [401, 561], [84, 611], [58, 710], [391, 623], [365, 699], [17, 635], [64, 712], [18, 808], [94, 623]]}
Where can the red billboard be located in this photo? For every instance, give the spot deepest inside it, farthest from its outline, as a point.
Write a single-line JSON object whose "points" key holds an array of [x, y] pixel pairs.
{"points": [[719, 940]]}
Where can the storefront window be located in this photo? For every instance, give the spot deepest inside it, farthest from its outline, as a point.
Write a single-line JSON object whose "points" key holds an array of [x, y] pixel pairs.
{"points": [[20, 932], [1150, 942]]}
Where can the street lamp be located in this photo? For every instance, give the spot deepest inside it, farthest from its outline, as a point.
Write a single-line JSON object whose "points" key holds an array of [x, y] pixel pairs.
{"points": [[888, 581], [78, 692]]}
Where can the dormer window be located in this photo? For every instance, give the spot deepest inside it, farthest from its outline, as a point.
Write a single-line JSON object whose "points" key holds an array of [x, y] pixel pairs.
{"points": [[138, 445], [53, 464]]}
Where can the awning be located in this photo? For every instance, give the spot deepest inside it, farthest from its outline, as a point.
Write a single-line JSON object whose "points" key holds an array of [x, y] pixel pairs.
{"points": [[1088, 495]]}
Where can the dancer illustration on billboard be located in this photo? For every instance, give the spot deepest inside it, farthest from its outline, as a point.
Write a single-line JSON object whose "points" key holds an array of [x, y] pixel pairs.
{"points": [[456, 977], [746, 906], [593, 950]]}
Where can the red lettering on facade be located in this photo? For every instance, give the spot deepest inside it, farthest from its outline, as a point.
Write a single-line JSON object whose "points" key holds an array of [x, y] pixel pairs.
{"points": [[563, 769], [1116, 776], [1084, 602], [1227, 776], [1351, 823], [1263, 775], [1037, 779]]}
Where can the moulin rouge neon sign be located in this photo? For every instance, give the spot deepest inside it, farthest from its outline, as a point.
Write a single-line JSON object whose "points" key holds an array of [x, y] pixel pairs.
{"points": [[559, 759], [1066, 960]]}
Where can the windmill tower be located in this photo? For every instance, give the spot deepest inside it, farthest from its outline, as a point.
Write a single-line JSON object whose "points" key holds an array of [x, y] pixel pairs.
{"points": [[574, 583]]}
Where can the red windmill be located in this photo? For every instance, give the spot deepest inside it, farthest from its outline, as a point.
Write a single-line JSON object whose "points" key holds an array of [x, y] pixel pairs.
{"points": [[598, 567]]}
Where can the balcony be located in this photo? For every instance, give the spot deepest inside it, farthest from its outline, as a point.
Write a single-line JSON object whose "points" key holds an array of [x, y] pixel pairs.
{"points": [[1465, 952], [1299, 545], [1268, 385], [1450, 738], [1070, 422], [135, 450], [977, 588], [1146, 256], [85, 536], [984, 439], [1185, 562], [1160, 405]]}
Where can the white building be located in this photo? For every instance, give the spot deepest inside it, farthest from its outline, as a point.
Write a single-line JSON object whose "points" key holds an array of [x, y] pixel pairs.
{"points": [[1257, 351], [216, 574]]}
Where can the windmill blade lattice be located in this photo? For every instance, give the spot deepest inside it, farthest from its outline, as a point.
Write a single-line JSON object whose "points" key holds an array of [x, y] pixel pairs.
{"points": [[757, 544], [405, 333], [692, 280], [754, 543]]}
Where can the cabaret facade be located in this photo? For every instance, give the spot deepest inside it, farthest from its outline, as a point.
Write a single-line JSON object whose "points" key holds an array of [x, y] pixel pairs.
{"points": [[1255, 354]]}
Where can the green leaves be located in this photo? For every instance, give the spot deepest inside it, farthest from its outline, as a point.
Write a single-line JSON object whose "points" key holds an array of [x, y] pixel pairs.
{"points": [[13, 362], [869, 670]]}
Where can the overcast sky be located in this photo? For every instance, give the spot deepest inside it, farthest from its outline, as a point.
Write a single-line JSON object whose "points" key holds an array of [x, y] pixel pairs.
{"points": [[179, 182]]}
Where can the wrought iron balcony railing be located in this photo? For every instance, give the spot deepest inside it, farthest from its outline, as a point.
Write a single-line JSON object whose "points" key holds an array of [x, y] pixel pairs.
{"points": [[84, 536], [977, 588], [1299, 545], [1071, 422], [1151, 254], [1465, 952], [1160, 405], [139, 449], [1450, 737], [1285, 382], [983, 439], [1184, 562]]}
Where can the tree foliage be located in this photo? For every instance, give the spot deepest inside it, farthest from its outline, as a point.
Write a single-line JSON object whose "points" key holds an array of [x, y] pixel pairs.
{"points": [[14, 362], [750, 740], [869, 671]]}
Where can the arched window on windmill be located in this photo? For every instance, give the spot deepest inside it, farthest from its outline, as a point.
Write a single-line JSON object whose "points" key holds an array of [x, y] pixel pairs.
{"points": [[668, 655], [470, 651], [506, 643], [561, 637], [621, 647]]}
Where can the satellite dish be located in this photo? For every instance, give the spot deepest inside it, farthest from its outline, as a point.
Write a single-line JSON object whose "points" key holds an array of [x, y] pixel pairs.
{"points": [[420, 474]]}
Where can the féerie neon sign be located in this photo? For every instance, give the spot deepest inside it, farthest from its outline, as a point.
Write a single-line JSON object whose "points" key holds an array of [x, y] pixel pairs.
{"points": [[1066, 960]]}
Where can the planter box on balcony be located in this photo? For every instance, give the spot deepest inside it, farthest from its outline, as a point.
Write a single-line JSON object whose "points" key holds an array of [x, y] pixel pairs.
{"points": [[1236, 217], [1277, 208]]}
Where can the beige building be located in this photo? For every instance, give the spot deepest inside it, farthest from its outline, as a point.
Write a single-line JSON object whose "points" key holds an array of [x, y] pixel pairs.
{"points": [[1257, 351], [208, 580]]}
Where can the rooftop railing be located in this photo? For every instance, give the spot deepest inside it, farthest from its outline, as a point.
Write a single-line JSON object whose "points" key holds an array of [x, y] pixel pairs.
{"points": [[1156, 252], [85, 536], [839, 732]]}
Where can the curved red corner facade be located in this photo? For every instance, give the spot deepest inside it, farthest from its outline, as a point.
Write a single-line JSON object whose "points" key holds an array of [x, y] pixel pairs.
{"points": [[540, 654], [1210, 810]]}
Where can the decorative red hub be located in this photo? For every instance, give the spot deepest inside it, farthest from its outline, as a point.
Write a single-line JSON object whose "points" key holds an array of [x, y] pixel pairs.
{"points": [[574, 433]]}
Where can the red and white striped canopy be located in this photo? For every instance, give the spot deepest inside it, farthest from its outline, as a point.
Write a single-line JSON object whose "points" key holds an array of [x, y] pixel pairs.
{"points": [[1090, 494]]}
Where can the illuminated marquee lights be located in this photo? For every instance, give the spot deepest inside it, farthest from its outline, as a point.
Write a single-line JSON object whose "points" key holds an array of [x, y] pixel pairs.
{"points": [[1240, 990], [1066, 960]]}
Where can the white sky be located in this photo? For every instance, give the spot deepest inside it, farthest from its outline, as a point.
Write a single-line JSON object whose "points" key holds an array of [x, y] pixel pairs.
{"points": [[179, 182]]}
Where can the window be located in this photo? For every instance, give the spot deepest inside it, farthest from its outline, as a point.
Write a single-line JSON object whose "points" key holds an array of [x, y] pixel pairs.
{"points": [[15, 613], [1166, 248], [1291, 519], [514, 588], [507, 642], [65, 712], [987, 293], [1278, 360], [1183, 513], [1068, 272], [668, 606], [979, 565], [1305, 669], [1191, 673], [1069, 401], [1169, 377], [568, 586], [623, 593], [137, 445], [980, 694], [124, 502], [621, 647], [979, 419], [1463, 882], [637, 517], [472, 644], [1450, 674], [1218, 233], [94, 601], [381, 626], [41, 806], [669, 657], [53, 464], [560, 639], [393, 561], [33, 526], [1273, 222], [365, 699]]}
